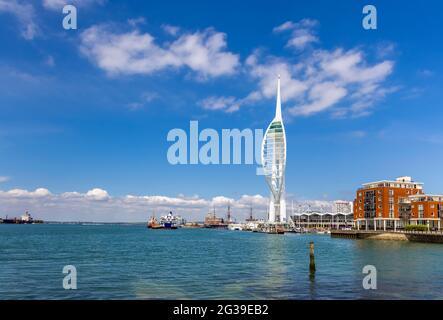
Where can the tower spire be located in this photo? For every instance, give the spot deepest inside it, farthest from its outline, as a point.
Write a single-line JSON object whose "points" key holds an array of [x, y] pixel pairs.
{"points": [[278, 103]]}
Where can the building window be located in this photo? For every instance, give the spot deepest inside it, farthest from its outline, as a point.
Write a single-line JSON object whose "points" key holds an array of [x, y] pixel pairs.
{"points": [[391, 210]]}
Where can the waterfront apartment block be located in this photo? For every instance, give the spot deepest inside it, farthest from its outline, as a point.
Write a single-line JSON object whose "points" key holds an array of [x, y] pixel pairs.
{"points": [[422, 209], [393, 204]]}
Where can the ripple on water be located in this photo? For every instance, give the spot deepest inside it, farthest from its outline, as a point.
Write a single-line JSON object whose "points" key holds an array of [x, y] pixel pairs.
{"points": [[132, 262]]}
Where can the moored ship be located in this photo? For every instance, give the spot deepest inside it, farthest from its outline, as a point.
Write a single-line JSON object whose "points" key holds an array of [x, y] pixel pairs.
{"points": [[193, 225], [168, 221], [236, 226], [153, 223], [171, 221], [212, 221], [26, 218]]}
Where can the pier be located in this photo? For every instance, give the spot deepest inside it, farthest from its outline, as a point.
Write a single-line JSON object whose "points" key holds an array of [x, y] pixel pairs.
{"points": [[416, 236]]}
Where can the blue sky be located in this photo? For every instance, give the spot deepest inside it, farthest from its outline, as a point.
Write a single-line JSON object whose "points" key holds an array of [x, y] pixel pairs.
{"points": [[88, 110]]}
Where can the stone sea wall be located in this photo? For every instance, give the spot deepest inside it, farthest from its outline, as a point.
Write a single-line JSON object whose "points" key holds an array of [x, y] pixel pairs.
{"points": [[430, 237]]}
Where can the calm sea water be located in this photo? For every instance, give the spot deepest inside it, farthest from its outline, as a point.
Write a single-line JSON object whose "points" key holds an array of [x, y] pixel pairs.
{"points": [[132, 262]]}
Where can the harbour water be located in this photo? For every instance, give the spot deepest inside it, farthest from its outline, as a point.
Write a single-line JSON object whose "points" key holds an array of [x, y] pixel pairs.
{"points": [[132, 262]]}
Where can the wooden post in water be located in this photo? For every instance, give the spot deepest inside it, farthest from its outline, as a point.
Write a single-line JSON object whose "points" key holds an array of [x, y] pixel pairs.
{"points": [[311, 258]]}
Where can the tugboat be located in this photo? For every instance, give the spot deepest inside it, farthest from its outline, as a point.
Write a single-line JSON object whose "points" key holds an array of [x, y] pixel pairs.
{"points": [[153, 224]]}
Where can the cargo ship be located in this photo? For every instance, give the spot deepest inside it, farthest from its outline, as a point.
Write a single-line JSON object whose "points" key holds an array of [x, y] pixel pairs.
{"points": [[24, 219], [168, 221]]}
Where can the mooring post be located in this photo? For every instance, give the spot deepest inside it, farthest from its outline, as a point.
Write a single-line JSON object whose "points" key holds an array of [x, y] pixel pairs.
{"points": [[311, 258]]}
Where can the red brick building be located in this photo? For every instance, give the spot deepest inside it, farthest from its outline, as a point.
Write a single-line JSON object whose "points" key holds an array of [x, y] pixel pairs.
{"points": [[382, 205], [424, 209]]}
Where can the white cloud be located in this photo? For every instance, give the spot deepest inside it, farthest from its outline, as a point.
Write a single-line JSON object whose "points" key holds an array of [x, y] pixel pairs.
{"points": [[349, 66], [59, 4], [4, 179], [170, 29], [257, 200], [24, 13], [204, 52], [222, 201], [71, 195], [302, 33], [322, 96], [136, 21], [54, 4], [301, 39], [227, 104], [145, 98], [137, 53], [97, 194], [20, 193], [166, 202], [340, 81], [128, 53], [266, 74], [288, 25], [345, 77], [97, 205], [385, 49]]}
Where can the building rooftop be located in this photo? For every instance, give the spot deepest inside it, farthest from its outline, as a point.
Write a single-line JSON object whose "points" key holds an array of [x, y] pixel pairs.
{"points": [[393, 183], [314, 213]]}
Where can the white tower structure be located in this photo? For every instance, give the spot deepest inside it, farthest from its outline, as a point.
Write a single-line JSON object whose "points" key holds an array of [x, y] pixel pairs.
{"points": [[273, 155]]}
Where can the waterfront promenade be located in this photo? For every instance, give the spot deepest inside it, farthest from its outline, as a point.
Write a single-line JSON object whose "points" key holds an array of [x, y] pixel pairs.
{"points": [[416, 236]]}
